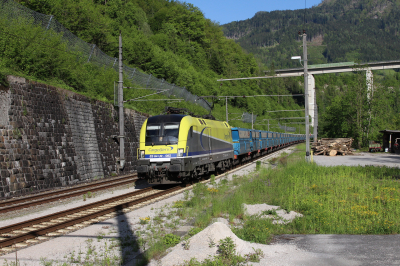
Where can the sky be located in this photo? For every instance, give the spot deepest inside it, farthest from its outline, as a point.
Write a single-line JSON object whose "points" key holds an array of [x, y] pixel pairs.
{"points": [[225, 11]]}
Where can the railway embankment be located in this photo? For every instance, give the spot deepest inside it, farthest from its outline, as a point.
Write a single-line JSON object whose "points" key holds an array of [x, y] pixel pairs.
{"points": [[50, 137]]}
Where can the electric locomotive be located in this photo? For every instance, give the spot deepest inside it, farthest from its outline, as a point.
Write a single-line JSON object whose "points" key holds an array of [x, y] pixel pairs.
{"points": [[178, 148]]}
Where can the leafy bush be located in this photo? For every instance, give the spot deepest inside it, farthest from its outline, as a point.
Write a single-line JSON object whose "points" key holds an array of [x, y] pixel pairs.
{"points": [[194, 231], [171, 239]]}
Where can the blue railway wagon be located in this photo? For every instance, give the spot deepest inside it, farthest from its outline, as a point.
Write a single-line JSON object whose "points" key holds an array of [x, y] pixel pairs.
{"points": [[257, 140], [264, 140], [242, 141], [277, 139], [270, 140]]}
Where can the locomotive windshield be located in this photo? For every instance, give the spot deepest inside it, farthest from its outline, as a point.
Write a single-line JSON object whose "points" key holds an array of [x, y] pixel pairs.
{"points": [[162, 134]]}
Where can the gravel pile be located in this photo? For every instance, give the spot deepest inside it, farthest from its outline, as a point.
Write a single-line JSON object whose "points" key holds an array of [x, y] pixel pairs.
{"points": [[281, 217], [201, 249]]}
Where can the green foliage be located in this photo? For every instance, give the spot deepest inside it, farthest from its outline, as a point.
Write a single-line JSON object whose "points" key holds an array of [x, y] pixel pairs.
{"points": [[346, 111], [337, 31], [255, 257], [194, 231], [226, 248], [168, 39], [258, 165], [171, 240]]}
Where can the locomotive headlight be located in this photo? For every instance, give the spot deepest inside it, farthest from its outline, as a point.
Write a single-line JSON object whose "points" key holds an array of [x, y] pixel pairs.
{"points": [[180, 152], [141, 154]]}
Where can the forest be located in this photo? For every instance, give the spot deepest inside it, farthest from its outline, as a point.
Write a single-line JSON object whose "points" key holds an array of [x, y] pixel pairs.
{"points": [[172, 40], [169, 39], [360, 31]]}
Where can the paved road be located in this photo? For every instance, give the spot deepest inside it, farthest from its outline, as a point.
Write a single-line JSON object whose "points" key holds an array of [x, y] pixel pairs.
{"points": [[343, 250], [363, 159]]}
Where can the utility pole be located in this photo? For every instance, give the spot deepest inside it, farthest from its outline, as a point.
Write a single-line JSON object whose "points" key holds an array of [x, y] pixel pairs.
{"points": [[306, 95], [315, 118], [226, 108], [121, 108]]}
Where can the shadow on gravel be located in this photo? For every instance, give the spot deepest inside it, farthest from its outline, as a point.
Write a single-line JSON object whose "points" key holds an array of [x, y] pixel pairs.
{"points": [[128, 240]]}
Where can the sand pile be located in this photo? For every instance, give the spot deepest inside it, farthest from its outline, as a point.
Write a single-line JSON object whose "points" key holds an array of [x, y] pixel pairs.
{"points": [[281, 217], [201, 248], [205, 244]]}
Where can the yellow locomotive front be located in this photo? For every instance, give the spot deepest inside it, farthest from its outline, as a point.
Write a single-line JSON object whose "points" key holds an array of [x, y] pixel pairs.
{"points": [[177, 148], [159, 142]]}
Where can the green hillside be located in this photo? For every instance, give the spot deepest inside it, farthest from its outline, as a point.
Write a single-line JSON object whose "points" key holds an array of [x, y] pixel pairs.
{"points": [[344, 31], [168, 39]]}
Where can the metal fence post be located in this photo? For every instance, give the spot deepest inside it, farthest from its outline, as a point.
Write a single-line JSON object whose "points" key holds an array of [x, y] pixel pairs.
{"points": [[148, 81], [91, 52], [48, 24], [133, 73]]}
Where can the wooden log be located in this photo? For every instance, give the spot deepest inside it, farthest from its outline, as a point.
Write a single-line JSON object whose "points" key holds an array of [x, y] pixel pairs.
{"points": [[333, 153]]}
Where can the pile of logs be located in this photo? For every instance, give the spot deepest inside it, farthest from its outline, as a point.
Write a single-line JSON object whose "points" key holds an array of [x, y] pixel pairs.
{"points": [[332, 147]]}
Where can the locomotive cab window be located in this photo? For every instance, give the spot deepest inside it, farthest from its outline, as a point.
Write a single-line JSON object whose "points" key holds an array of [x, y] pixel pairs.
{"points": [[171, 133], [162, 134], [153, 130]]}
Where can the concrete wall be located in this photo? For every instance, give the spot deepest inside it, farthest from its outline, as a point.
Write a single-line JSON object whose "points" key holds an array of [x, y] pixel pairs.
{"points": [[52, 138]]}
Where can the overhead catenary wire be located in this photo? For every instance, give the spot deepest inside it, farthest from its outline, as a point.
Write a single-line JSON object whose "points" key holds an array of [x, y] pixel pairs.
{"points": [[251, 96]]}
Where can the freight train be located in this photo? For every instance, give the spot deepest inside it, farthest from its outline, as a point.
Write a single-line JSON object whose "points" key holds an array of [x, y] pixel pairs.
{"points": [[180, 148]]}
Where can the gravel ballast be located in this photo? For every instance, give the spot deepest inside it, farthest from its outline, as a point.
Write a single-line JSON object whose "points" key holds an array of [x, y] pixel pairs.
{"points": [[107, 237]]}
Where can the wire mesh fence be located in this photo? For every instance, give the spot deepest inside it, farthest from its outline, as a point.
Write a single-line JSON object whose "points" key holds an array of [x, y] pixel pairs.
{"points": [[287, 129], [249, 118], [10, 10]]}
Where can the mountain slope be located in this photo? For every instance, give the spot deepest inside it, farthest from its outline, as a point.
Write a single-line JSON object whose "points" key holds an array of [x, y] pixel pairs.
{"points": [[337, 31], [169, 39]]}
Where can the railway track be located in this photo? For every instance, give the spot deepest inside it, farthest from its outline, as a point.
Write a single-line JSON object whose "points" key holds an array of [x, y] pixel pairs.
{"points": [[55, 195], [40, 229]]}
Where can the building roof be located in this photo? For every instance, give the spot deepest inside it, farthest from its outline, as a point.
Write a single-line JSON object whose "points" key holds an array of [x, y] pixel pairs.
{"points": [[389, 131]]}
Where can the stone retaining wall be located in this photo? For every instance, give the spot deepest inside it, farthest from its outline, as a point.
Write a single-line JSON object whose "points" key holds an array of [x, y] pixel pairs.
{"points": [[52, 138]]}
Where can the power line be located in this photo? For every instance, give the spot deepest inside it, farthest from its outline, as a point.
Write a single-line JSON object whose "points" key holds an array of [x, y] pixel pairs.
{"points": [[251, 96], [283, 111]]}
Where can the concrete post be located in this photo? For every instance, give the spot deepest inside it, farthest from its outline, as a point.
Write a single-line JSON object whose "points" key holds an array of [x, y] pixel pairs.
{"points": [[306, 96], [311, 96], [370, 83], [121, 108]]}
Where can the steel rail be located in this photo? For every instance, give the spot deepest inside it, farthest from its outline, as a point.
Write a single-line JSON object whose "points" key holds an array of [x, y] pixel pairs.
{"points": [[57, 215], [20, 203], [52, 218], [52, 228]]}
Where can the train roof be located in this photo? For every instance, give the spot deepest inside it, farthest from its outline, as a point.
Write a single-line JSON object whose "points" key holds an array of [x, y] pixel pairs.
{"points": [[165, 118]]}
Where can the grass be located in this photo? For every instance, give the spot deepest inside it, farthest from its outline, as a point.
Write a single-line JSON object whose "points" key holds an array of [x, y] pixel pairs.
{"points": [[333, 200]]}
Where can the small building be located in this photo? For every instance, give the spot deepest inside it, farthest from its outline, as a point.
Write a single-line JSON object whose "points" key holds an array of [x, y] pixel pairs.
{"points": [[389, 139]]}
